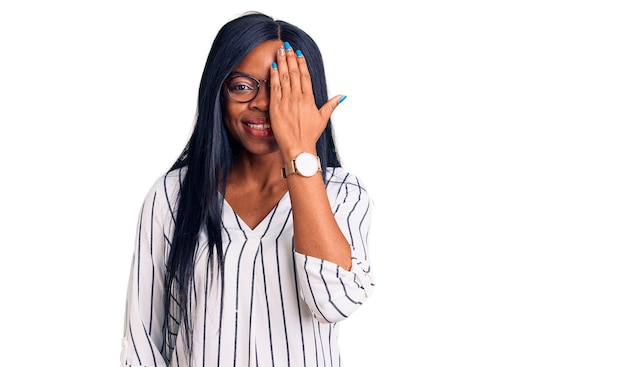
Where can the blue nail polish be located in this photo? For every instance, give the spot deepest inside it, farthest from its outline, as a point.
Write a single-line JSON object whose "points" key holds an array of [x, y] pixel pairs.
{"points": [[274, 65], [287, 46], [298, 53], [341, 99]]}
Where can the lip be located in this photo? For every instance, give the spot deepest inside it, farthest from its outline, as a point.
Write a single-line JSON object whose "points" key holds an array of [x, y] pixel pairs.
{"points": [[258, 127], [257, 120]]}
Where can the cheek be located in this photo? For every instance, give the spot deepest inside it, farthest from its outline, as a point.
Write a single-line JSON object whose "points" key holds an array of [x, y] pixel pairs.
{"points": [[230, 118]]}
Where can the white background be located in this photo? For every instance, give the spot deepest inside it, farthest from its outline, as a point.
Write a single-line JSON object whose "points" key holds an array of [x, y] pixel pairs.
{"points": [[489, 133]]}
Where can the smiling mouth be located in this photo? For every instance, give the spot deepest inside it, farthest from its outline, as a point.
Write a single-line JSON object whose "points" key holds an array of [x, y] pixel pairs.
{"points": [[259, 126]]}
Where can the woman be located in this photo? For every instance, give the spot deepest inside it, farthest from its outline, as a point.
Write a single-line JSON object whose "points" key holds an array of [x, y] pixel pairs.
{"points": [[252, 247]]}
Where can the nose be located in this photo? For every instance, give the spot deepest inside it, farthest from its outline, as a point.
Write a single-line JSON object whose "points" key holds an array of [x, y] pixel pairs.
{"points": [[262, 99]]}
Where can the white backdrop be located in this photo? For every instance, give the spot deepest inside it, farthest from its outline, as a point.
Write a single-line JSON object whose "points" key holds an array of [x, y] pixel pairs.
{"points": [[490, 136]]}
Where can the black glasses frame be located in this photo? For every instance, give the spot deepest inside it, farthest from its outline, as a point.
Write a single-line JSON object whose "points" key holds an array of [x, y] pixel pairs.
{"points": [[257, 81]]}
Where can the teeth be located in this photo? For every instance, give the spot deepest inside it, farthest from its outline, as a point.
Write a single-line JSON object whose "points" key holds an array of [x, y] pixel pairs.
{"points": [[259, 126]]}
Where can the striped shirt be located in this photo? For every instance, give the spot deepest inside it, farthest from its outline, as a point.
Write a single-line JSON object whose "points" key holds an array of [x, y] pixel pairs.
{"points": [[280, 307]]}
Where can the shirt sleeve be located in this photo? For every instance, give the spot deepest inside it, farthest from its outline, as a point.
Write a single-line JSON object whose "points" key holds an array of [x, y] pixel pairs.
{"points": [[331, 292], [143, 343]]}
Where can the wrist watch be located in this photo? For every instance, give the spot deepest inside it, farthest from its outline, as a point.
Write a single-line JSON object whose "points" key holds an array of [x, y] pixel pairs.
{"points": [[305, 164]]}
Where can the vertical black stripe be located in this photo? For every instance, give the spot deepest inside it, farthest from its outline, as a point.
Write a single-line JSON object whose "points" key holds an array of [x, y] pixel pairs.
{"points": [[330, 296], [267, 306], [298, 301], [319, 333], [132, 338], [280, 288], [330, 346], [151, 256], [169, 202], [243, 246], [219, 337], [138, 256], [317, 352], [348, 220], [139, 235], [306, 260], [251, 309]]}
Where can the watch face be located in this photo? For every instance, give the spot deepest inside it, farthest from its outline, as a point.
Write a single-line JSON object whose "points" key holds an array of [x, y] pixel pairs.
{"points": [[307, 164]]}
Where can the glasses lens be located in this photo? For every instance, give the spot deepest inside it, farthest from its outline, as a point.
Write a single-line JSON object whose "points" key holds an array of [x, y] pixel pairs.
{"points": [[242, 88]]}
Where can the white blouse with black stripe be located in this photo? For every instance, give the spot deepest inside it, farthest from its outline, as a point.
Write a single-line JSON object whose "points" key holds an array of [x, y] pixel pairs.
{"points": [[280, 307]]}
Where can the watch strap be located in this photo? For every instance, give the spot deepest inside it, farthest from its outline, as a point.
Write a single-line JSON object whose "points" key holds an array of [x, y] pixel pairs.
{"points": [[289, 169]]}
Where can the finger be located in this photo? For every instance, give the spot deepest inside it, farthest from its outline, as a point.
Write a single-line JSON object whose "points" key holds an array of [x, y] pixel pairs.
{"points": [[292, 64], [329, 107], [283, 70], [305, 78], [276, 90]]}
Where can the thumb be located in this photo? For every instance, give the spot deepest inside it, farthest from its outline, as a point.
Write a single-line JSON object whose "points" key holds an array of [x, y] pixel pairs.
{"points": [[328, 107]]}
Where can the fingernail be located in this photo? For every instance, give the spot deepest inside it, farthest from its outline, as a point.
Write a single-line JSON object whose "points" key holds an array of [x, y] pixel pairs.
{"points": [[342, 99], [274, 65], [298, 53], [287, 46], [281, 51]]}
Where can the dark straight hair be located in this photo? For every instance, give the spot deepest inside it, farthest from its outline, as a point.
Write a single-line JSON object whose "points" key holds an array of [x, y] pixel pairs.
{"points": [[209, 155]]}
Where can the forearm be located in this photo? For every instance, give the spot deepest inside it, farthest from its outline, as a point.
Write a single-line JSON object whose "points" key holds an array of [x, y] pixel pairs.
{"points": [[316, 232]]}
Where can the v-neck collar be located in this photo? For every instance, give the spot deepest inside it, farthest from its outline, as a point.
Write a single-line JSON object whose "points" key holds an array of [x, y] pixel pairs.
{"points": [[263, 225]]}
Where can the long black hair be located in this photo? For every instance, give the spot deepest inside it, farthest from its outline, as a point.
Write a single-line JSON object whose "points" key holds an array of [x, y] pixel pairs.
{"points": [[209, 156]]}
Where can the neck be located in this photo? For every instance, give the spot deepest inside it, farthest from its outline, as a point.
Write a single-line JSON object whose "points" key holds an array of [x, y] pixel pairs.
{"points": [[262, 171]]}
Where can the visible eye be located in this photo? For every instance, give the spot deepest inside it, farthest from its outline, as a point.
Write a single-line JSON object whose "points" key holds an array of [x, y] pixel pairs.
{"points": [[242, 85]]}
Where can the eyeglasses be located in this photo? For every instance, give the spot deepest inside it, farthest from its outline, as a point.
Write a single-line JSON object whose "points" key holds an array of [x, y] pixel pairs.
{"points": [[243, 87]]}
